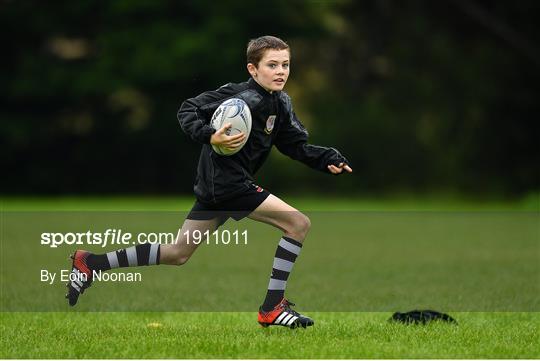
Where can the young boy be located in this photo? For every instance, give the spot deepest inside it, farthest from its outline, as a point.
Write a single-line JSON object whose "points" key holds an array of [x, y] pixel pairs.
{"points": [[224, 186]]}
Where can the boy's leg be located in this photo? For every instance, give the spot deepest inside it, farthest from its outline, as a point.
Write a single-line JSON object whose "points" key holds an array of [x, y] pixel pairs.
{"points": [[85, 263], [179, 252], [279, 214], [295, 226]]}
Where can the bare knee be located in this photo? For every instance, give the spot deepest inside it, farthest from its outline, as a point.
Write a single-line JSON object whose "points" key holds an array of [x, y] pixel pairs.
{"points": [[181, 260], [299, 227], [174, 256]]}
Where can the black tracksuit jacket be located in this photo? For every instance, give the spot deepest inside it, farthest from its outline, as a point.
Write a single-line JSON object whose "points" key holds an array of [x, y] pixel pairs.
{"points": [[223, 177]]}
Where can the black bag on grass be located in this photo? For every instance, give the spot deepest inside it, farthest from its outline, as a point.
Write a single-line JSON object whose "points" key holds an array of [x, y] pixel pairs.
{"points": [[421, 317]]}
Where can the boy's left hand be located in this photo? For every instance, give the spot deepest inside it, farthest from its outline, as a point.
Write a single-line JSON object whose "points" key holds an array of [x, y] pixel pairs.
{"points": [[337, 170]]}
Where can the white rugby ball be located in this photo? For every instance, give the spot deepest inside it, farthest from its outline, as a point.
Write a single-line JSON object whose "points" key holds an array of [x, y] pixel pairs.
{"points": [[236, 112]]}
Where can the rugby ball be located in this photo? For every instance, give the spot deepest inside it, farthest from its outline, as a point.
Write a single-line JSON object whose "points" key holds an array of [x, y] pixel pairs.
{"points": [[236, 112]]}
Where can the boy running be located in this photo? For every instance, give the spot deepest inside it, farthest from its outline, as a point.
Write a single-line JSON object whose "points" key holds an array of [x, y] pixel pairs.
{"points": [[224, 186]]}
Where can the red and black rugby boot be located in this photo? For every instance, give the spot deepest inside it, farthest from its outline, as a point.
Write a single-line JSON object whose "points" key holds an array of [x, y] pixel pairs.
{"points": [[283, 315], [80, 277]]}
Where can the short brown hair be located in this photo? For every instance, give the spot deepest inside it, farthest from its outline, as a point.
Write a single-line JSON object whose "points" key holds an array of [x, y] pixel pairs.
{"points": [[257, 47]]}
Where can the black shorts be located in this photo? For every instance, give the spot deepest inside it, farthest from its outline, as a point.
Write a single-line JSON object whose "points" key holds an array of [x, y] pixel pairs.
{"points": [[237, 208]]}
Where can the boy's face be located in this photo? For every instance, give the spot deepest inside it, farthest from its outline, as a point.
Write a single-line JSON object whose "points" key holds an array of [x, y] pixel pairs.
{"points": [[273, 70]]}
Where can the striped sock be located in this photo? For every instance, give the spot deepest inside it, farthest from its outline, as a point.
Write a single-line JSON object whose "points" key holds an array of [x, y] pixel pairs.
{"points": [[286, 253], [140, 255]]}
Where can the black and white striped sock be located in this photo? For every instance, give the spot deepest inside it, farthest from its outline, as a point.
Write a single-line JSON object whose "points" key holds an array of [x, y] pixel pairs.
{"points": [[140, 255], [287, 251]]}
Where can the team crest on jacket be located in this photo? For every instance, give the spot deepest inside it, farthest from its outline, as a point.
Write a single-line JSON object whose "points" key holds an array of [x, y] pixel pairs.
{"points": [[270, 124]]}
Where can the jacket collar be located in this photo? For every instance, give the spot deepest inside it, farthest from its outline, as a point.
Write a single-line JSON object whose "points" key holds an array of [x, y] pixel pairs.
{"points": [[265, 93]]}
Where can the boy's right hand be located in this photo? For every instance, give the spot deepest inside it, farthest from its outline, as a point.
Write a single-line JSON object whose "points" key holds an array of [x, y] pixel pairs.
{"points": [[221, 139]]}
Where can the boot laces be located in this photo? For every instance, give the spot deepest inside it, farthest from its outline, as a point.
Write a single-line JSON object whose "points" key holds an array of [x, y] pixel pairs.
{"points": [[287, 305]]}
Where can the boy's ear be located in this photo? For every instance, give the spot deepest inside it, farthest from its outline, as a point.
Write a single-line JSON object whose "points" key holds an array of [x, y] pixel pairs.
{"points": [[252, 69]]}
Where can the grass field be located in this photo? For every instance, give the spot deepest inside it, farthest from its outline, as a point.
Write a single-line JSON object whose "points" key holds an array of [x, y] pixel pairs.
{"points": [[477, 261], [236, 335]]}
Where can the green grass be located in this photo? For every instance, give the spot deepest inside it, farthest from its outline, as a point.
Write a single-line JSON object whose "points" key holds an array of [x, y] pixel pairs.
{"points": [[236, 335], [356, 203], [375, 258]]}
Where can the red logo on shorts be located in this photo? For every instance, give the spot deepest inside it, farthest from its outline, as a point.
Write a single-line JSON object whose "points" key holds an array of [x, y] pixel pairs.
{"points": [[257, 188]]}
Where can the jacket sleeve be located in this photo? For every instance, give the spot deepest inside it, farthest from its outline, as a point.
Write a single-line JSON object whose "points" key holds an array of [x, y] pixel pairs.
{"points": [[292, 140], [195, 113]]}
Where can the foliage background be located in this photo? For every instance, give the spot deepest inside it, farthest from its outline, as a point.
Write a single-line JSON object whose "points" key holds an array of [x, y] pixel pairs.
{"points": [[420, 96]]}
